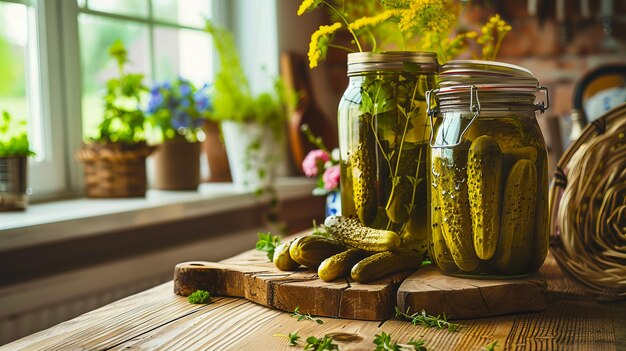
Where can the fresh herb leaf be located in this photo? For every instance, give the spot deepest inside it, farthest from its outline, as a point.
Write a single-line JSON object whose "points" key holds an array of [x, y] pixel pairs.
{"points": [[301, 316], [320, 230], [418, 345], [320, 344], [268, 243], [423, 319], [292, 337], [490, 347], [383, 343], [199, 297]]}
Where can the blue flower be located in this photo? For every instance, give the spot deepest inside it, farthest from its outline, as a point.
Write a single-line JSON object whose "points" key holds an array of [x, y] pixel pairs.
{"points": [[185, 89], [203, 101], [184, 103], [181, 120], [155, 102]]}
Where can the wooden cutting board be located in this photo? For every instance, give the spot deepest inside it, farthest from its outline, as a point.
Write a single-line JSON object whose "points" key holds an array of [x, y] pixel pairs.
{"points": [[250, 275]]}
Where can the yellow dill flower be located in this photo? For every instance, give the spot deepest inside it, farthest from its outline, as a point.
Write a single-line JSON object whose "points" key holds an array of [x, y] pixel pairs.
{"points": [[308, 6], [372, 21], [471, 35], [319, 43]]}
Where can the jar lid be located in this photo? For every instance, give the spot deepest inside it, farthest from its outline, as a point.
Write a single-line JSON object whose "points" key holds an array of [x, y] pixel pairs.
{"points": [[396, 61], [460, 75]]}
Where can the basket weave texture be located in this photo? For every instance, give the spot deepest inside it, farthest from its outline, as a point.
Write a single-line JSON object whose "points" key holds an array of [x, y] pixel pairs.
{"points": [[588, 208], [115, 169]]}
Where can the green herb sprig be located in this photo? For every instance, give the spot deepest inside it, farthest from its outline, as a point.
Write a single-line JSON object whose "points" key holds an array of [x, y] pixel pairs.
{"points": [[13, 137], [320, 230], [305, 316], [490, 347], [320, 344], [428, 321], [292, 337], [268, 243], [384, 342], [199, 297]]}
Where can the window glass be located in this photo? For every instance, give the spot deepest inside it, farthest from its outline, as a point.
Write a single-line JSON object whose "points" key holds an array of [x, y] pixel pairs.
{"points": [[13, 57], [96, 36], [122, 7], [185, 12], [183, 52]]}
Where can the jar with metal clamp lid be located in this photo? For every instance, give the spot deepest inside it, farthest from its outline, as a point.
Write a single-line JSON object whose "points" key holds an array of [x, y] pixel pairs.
{"points": [[383, 139], [488, 171]]}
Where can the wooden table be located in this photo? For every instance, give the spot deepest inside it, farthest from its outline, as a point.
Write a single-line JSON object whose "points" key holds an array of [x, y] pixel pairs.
{"points": [[158, 319]]}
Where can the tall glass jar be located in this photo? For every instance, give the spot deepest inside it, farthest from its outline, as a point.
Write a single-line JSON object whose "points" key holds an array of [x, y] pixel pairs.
{"points": [[383, 138], [488, 171]]}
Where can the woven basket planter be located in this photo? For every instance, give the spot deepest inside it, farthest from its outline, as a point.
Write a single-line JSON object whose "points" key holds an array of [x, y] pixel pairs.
{"points": [[115, 169], [588, 208]]}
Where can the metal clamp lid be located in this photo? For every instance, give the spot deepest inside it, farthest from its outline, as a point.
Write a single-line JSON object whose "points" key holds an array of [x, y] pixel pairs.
{"points": [[474, 106]]}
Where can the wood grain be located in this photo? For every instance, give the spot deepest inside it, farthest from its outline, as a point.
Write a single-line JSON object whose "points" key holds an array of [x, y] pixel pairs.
{"points": [[157, 319], [251, 276], [460, 298]]}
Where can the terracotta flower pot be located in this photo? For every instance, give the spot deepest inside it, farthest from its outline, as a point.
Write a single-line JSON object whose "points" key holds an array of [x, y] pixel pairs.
{"points": [[215, 152], [13, 183], [177, 165], [115, 169]]}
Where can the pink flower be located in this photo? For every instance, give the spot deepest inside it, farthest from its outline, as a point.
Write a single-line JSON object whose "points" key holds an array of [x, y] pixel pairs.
{"points": [[331, 178], [314, 159]]}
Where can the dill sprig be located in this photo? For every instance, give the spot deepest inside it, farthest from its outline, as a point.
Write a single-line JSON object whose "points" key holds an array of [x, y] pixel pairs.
{"points": [[292, 337], [320, 344], [428, 321], [302, 316]]}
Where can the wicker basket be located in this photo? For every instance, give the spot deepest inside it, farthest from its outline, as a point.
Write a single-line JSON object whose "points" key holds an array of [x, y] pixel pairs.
{"points": [[115, 169], [588, 208]]}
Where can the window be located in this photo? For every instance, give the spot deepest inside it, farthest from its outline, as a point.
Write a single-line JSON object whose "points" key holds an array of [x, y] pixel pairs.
{"points": [[54, 64], [165, 39]]}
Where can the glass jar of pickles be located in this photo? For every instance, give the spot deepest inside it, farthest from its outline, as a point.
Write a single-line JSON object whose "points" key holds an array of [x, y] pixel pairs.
{"points": [[383, 138], [488, 180]]}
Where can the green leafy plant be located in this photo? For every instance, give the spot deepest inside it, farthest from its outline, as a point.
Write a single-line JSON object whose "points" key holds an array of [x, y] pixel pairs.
{"points": [[123, 119], [233, 99], [176, 109], [13, 137], [267, 243], [320, 344], [199, 297], [428, 321], [384, 342], [292, 337], [305, 316]]}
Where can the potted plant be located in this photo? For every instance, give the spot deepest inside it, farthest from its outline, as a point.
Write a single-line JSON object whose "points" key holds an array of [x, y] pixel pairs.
{"points": [[115, 160], [177, 111], [14, 152], [253, 125]]}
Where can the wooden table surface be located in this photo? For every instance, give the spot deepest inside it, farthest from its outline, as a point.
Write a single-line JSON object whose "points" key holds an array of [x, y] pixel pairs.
{"points": [[157, 319]]}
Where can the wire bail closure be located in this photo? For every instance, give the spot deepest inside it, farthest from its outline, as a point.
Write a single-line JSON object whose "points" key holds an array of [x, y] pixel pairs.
{"points": [[474, 106]]}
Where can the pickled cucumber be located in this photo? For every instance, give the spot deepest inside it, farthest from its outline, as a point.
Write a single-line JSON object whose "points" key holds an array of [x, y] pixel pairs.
{"points": [[340, 264], [311, 250], [282, 259], [385, 263], [439, 252], [403, 184], [541, 238], [364, 173], [350, 232], [484, 177], [450, 186], [517, 219]]}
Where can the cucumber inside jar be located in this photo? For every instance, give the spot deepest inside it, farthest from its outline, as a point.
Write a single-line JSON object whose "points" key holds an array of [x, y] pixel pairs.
{"points": [[384, 154]]}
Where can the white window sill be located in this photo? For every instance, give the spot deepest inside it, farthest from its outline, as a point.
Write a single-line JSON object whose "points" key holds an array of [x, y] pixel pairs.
{"points": [[68, 219]]}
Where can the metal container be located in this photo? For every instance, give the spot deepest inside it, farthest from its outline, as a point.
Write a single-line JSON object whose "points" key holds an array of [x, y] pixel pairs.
{"points": [[13, 183]]}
